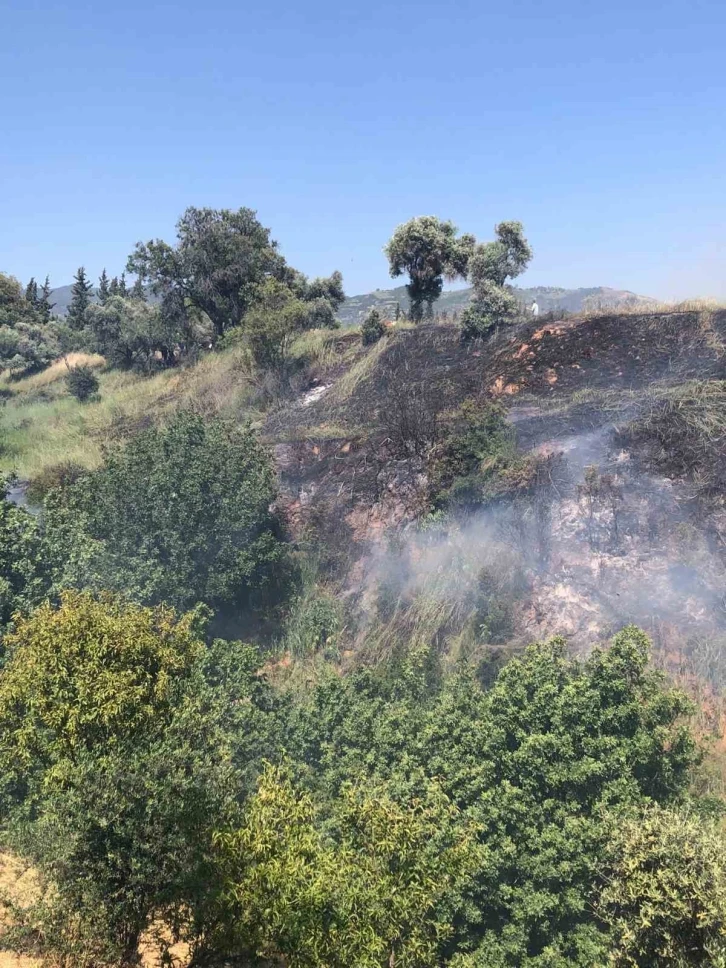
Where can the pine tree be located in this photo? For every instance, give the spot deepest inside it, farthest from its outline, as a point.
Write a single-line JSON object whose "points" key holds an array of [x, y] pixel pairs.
{"points": [[103, 290], [45, 306], [31, 293], [122, 287], [80, 299], [137, 290], [113, 287]]}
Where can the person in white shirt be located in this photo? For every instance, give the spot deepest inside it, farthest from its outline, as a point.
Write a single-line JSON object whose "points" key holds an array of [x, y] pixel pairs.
{"points": [[535, 308]]}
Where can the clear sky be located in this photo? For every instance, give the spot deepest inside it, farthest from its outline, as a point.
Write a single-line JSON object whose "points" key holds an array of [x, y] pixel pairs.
{"points": [[602, 126]]}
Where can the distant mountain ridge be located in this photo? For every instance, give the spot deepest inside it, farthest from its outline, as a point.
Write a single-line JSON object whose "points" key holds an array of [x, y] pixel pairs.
{"points": [[355, 307], [547, 297]]}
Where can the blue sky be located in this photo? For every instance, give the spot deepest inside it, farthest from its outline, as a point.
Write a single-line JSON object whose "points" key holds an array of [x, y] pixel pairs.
{"points": [[601, 126]]}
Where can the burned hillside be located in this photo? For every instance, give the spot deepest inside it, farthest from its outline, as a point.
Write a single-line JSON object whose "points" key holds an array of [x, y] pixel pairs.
{"points": [[602, 507]]}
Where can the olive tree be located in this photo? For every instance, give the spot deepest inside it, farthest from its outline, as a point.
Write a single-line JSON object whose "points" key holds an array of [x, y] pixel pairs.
{"points": [[428, 250]]}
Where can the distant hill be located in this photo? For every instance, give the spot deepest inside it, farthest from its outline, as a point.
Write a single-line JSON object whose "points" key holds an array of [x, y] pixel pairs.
{"points": [[355, 307], [548, 298]]}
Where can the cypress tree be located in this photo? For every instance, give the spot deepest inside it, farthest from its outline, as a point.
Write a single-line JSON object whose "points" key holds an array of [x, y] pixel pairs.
{"points": [[137, 290], [122, 287], [31, 293], [103, 290], [45, 306], [80, 299], [113, 287]]}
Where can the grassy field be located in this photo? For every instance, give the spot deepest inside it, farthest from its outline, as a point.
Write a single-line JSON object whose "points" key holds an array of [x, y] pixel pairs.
{"points": [[42, 425]]}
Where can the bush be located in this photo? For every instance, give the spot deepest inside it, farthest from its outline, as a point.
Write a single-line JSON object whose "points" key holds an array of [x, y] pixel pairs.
{"points": [[82, 382], [124, 742], [180, 515], [665, 893], [373, 328]]}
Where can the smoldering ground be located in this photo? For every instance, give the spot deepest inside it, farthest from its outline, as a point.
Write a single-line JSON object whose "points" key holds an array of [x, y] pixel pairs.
{"points": [[601, 543]]}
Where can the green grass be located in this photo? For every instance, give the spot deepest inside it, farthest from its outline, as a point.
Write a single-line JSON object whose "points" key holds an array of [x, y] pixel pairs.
{"points": [[42, 425]]}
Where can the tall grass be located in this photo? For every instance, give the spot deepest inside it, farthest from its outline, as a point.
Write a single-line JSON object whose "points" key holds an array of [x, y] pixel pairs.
{"points": [[42, 425]]}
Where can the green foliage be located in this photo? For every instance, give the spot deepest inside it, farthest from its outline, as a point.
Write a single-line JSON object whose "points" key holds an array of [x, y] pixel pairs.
{"points": [[367, 898], [134, 335], [103, 288], [428, 250], [664, 898], [373, 328], [314, 625], [82, 382], [28, 341], [24, 576], [127, 743], [87, 675], [538, 763], [277, 318], [221, 257], [178, 515], [490, 265], [476, 448], [81, 292]]}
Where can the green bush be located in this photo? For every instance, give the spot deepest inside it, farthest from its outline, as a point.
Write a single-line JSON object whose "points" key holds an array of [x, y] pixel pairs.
{"points": [[664, 896], [82, 382], [178, 515], [373, 328]]}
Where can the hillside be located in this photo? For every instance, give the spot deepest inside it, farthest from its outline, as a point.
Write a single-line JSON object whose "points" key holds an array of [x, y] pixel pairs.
{"points": [[433, 506], [356, 444]]}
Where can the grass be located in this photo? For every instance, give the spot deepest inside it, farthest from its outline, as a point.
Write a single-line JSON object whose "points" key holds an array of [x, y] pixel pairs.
{"points": [[655, 308], [42, 425], [56, 371], [349, 382]]}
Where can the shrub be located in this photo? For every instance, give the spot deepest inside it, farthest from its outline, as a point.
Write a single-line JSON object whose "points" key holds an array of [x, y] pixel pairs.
{"points": [[373, 328], [82, 382], [665, 893], [180, 515]]}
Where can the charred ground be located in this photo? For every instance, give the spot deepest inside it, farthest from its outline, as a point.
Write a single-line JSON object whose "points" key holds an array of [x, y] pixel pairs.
{"points": [[613, 512]]}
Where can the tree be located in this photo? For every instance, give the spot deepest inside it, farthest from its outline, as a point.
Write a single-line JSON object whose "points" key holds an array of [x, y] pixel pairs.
{"points": [[491, 264], [369, 898], [89, 674], [127, 742], [664, 895], [122, 287], [45, 306], [180, 515], [429, 250], [279, 315], [103, 288], [24, 576], [137, 290], [113, 287], [373, 328], [220, 260], [31, 293], [538, 762], [81, 292], [132, 334]]}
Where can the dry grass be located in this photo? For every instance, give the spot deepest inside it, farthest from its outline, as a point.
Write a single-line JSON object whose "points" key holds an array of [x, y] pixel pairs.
{"points": [[42, 425], [359, 372], [56, 371], [655, 308]]}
